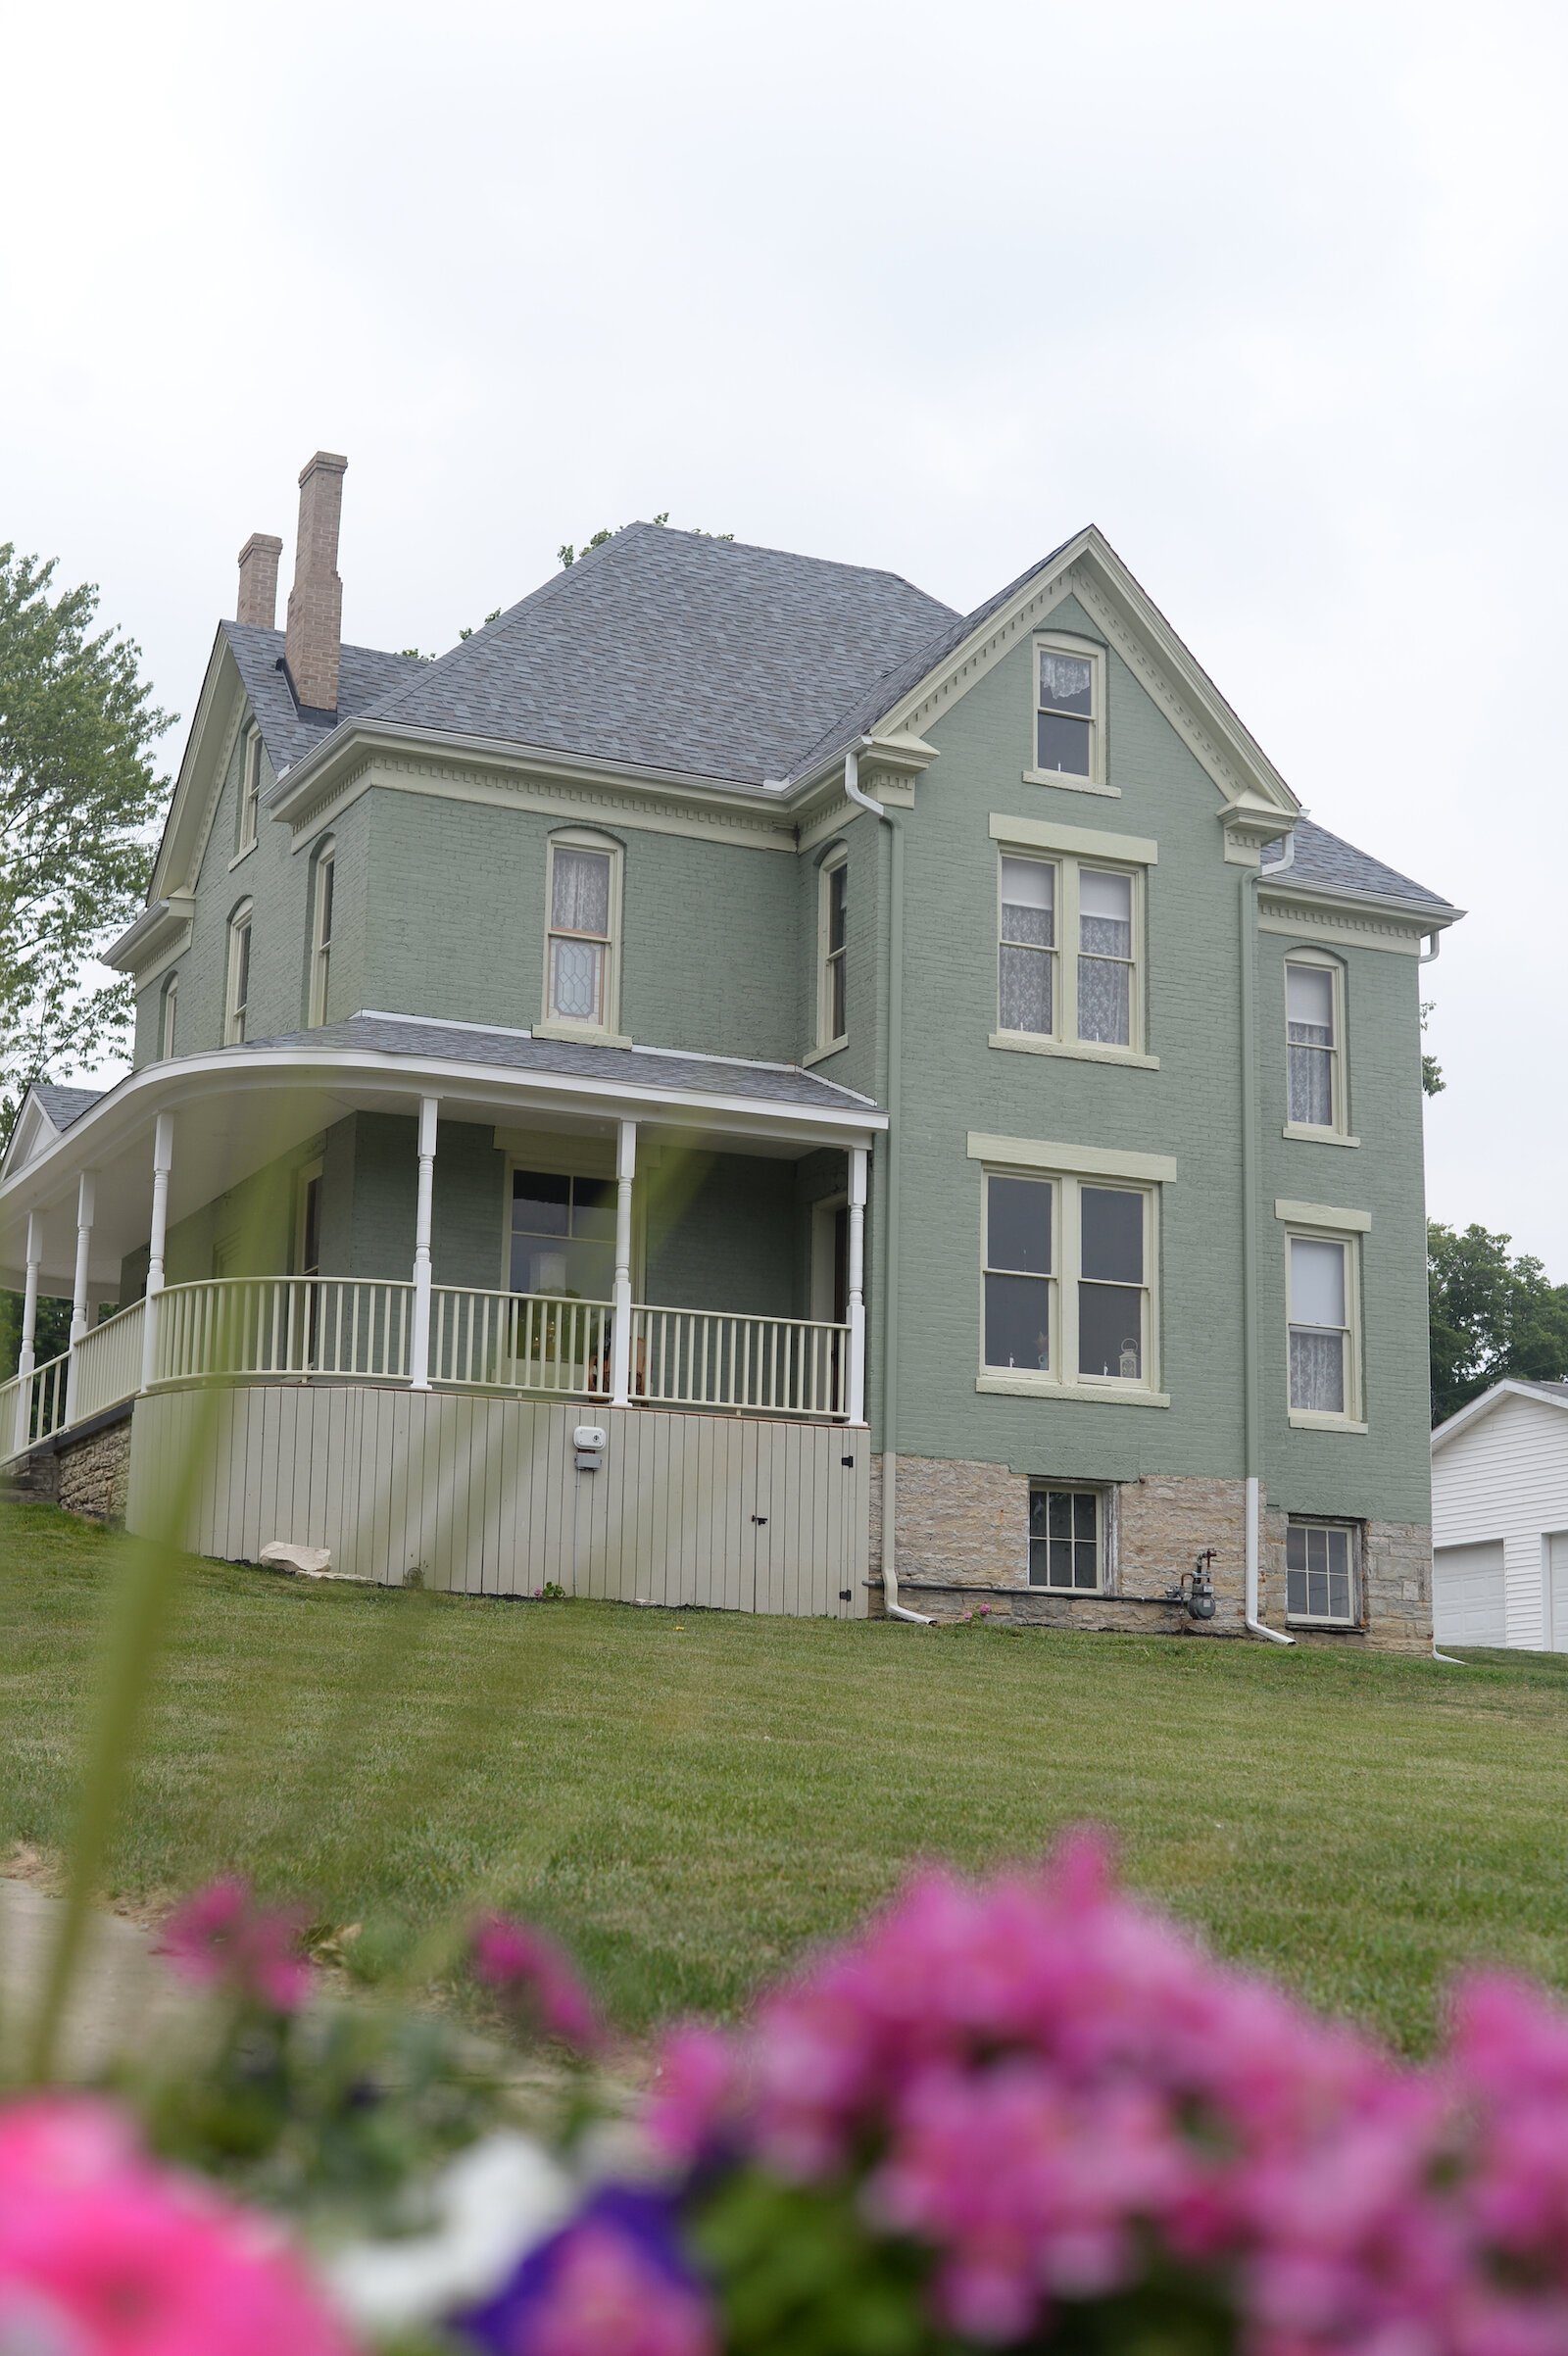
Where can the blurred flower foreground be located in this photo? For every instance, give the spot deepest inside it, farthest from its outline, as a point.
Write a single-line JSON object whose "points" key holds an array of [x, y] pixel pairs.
{"points": [[1025, 2114]]}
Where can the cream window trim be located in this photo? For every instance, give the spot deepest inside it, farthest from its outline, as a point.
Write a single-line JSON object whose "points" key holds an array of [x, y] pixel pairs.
{"points": [[1070, 863], [168, 1016], [250, 793], [1082, 1051], [1062, 1378], [1020, 1383], [308, 1173], [1334, 1130], [1083, 842], [1313, 1228], [1077, 1161], [1064, 783], [1348, 1622], [323, 895], [605, 1030], [1083, 650], [820, 1054], [1325, 1215], [238, 975], [832, 1036], [1300, 1134]]}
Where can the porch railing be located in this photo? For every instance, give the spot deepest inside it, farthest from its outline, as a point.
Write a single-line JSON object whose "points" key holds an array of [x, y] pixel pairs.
{"points": [[285, 1325], [520, 1341], [712, 1359], [109, 1363], [305, 1327]]}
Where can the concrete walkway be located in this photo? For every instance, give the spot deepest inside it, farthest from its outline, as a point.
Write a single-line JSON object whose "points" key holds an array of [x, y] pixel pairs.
{"points": [[122, 1987]]}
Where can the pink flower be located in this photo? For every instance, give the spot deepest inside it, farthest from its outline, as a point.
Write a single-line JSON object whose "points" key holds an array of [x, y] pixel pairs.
{"points": [[221, 1938], [102, 2254], [532, 1976], [607, 2299], [691, 2094]]}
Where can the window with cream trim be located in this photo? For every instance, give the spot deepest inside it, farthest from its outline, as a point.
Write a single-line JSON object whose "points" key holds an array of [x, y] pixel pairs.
{"points": [[1323, 1277], [168, 1016], [1069, 721], [1091, 994], [1067, 1280], [250, 793], [833, 915], [322, 893], [1315, 1024], [237, 992], [1320, 1573], [582, 961]]}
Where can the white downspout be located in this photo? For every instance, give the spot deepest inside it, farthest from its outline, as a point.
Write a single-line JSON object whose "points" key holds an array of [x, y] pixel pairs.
{"points": [[1428, 957], [1252, 1406], [890, 1460]]}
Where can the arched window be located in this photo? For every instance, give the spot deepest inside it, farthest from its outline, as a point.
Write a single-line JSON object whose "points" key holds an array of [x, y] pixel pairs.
{"points": [[832, 949], [582, 937], [168, 1011], [237, 996], [322, 895]]}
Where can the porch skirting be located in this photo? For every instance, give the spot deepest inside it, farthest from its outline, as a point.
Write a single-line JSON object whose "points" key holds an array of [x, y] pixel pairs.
{"points": [[484, 1496]]}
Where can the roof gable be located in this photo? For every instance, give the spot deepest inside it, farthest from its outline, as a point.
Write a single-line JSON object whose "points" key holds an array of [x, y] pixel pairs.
{"points": [[1465, 1418], [669, 651], [46, 1112]]}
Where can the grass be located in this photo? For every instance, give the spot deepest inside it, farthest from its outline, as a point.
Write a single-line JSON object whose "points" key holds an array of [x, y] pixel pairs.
{"points": [[688, 1801]]}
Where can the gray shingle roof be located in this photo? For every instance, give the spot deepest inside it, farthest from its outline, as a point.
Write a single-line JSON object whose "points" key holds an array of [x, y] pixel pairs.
{"points": [[1325, 863], [63, 1104], [670, 651], [629, 1068], [288, 733]]}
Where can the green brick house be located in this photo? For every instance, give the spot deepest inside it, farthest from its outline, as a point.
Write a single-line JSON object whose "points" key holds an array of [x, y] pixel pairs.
{"points": [[740, 1084]]}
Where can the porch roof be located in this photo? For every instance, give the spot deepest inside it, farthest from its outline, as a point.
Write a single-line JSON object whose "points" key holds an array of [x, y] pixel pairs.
{"points": [[238, 1109]]}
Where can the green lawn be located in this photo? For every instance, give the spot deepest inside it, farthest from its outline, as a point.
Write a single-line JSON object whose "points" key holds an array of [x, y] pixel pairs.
{"points": [[689, 1799]]}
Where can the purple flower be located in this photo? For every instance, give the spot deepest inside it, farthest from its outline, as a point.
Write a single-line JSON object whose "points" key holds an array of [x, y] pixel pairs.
{"points": [[614, 2283], [221, 1939], [533, 1980]]}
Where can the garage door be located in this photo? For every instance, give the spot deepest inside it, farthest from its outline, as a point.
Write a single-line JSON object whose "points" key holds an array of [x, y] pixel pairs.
{"points": [[1467, 1595]]}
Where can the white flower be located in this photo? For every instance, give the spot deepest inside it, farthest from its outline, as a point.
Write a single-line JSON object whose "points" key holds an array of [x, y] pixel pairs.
{"points": [[493, 2202]]}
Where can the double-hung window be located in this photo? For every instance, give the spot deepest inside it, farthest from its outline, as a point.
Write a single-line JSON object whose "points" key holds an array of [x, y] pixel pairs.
{"points": [[1068, 1283], [237, 996], [1324, 1292], [322, 931], [1314, 1057], [833, 912], [563, 1237], [582, 946], [1320, 1573], [1068, 720], [168, 1016], [250, 793], [1069, 938]]}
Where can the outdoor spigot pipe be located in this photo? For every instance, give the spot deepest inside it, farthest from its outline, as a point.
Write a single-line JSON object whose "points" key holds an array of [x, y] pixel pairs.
{"points": [[889, 1288]]}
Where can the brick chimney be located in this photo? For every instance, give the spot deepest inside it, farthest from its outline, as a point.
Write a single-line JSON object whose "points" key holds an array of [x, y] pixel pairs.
{"points": [[258, 580], [314, 641]]}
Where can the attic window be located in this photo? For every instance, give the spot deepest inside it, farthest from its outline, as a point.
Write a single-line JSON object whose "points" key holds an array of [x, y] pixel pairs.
{"points": [[250, 793], [1069, 712]]}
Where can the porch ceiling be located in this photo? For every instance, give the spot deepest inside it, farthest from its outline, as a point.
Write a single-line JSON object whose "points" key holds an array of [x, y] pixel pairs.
{"points": [[238, 1109]]}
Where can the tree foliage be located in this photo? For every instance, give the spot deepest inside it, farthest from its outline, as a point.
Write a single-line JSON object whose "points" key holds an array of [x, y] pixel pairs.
{"points": [[569, 555], [1491, 1316], [1432, 1079], [77, 790]]}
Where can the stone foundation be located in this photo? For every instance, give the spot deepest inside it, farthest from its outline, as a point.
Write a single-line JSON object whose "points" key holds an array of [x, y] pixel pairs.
{"points": [[92, 1475], [963, 1540]]}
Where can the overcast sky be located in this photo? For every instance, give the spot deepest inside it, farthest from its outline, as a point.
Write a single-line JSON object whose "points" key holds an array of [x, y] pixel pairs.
{"points": [[1273, 293]]}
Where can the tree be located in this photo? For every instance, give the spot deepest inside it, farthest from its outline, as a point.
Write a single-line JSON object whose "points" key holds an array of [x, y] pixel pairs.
{"points": [[569, 555], [77, 790], [1491, 1316], [1432, 1079]]}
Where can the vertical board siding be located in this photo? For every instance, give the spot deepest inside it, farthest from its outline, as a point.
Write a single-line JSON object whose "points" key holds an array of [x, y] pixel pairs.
{"points": [[482, 1496], [1506, 1477]]}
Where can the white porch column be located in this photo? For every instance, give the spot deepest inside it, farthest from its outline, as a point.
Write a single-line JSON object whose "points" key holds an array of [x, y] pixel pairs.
{"points": [[857, 1284], [419, 1346], [158, 1234], [85, 1191], [621, 1328], [27, 1355]]}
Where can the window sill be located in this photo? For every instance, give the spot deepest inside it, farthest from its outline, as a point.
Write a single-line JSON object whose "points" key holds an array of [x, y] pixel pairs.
{"points": [[1302, 1420], [1306, 1136], [1325, 1627], [1020, 1383], [1082, 1051], [585, 1034], [1069, 784], [820, 1054], [240, 856]]}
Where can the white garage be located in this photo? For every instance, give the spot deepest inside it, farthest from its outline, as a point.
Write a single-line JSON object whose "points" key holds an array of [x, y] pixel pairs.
{"points": [[1467, 1595], [1499, 1519]]}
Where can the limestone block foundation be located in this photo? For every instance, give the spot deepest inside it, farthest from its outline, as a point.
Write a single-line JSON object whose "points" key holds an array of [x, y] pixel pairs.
{"points": [[963, 1538], [89, 1476]]}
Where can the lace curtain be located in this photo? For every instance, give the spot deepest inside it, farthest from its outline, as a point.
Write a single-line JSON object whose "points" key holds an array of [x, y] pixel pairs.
{"points": [[1105, 948], [581, 892], [1028, 935], [1317, 1371], [1311, 1076]]}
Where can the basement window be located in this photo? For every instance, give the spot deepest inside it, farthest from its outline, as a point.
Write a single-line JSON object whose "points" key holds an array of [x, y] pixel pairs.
{"points": [[1320, 1573], [1066, 1538]]}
